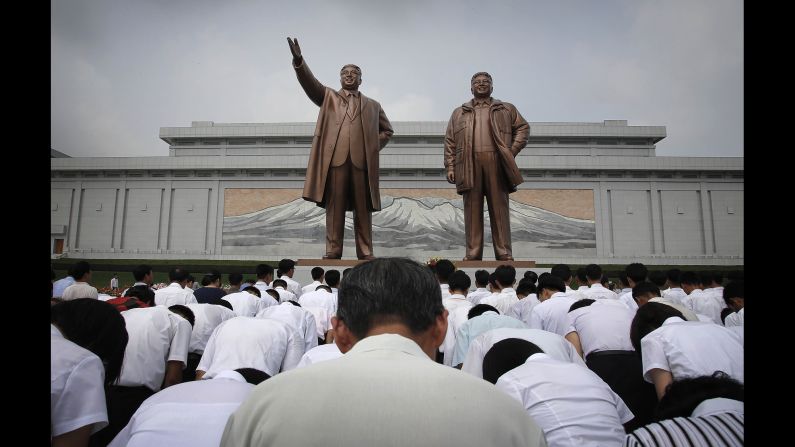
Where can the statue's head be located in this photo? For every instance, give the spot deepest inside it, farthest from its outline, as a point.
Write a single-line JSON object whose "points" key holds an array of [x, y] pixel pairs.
{"points": [[350, 77], [481, 85]]}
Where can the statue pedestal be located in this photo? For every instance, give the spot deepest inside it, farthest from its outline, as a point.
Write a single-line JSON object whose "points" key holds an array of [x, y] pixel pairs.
{"points": [[493, 264]]}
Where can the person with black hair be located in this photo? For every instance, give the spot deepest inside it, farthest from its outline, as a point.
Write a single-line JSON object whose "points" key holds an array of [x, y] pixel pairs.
{"points": [[235, 280], [322, 304], [674, 290], [599, 330], [443, 269], [59, 286], [596, 290], [505, 277], [482, 318], [87, 342], [389, 324], [697, 300], [734, 297], [481, 284], [135, 297], [143, 276], [177, 292], [635, 273], [588, 412], [672, 348], [81, 272], [210, 291], [206, 318], [333, 280], [293, 314], [528, 299], [317, 279], [280, 286], [702, 410], [647, 292], [458, 310], [161, 421], [580, 281], [264, 274], [713, 286], [247, 304], [658, 278], [287, 269], [154, 359], [551, 312]]}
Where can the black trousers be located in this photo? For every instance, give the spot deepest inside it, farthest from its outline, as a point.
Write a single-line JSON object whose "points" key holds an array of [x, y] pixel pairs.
{"points": [[122, 401], [189, 373], [623, 372]]}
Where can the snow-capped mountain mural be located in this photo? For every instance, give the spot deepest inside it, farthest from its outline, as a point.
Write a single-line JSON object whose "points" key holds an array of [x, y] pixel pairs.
{"points": [[405, 226]]}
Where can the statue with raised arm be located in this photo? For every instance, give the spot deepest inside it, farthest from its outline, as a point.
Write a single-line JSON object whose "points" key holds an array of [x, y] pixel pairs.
{"points": [[483, 137], [342, 173]]}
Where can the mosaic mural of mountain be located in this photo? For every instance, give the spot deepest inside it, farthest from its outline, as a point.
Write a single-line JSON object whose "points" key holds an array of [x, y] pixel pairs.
{"points": [[405, 227]]}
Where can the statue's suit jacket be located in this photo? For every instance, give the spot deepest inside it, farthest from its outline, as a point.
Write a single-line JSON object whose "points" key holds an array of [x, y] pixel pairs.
{"points": [[333, 104]]}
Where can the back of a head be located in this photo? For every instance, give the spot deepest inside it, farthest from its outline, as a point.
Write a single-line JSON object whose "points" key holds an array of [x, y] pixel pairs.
{"points": [[506, 355], [143, 293], [645, 288], [444, 268], [647, 319], [706, 278], [94, 325], [263, 270], [690, 278], [593, 272], [525, 287], [637, 272], [506, 275], [323, 287], [481, 278], [184, 312], [253, 376], [317, 273], [80, 269], [459, 281], [581, 276], [622, 278], [389, 290], [674, 276], [531, 276], [223, 302], [285, 265], [562, 271], [346, 271], [552, 283], [279, 283], [658, 278], [272, 293], [717, 277], [735, 275], [734, 289], [210, 278], [140, 272], [684, 395], [178, 275], [235, 279], [585, 302], [333, 278], [254, 291], [479, 309]]}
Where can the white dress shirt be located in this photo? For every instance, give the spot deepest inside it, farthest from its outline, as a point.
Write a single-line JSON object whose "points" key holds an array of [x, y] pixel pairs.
{"points": [[552, 314], [457, 314], [628, 301], [190, 414], [735, 318], [473, 327], [445, 288], [692, 348], [598, 292], [602, 326], [522, 309], [322, 305], [502, 301], [402, 398], [717, 294], [310, 287], [320, 353], [174, 294], [207, 318], [675, 294], [245, 304], [247, 342], [262, 286], [687, 313], [77, 391], [299, 318], [477, 295], [156, 336], [284, 295], [79, 290], [702, 303], [573, 405], [552, 344], [293, 286]]}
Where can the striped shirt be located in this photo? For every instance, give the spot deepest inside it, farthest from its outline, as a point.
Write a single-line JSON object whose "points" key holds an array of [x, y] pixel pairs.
{"points": [[721, 429]]}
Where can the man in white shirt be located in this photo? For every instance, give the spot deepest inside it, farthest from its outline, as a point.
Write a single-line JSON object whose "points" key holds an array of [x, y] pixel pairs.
{"points": [[317, 279], [481, 318], [81, 288], [599, 330], [636, 273], [206, 318], [457, 307], [505, 277], [443, 269], [264, 277], [571, 404], [333, 281], [712, 281], [320, 353], [143, 276], [292, 314], [552, 312], [481, 282], [280, 286], [287, 269], [647, 292], [581, 282], [674, 292], [322, 304], [386, 382], [734, 296], [697, 300], [177, 291], [161, 419], [248, 342], [246, 304], [596, 290], [553, 345], [526, 293], [672, 348]]}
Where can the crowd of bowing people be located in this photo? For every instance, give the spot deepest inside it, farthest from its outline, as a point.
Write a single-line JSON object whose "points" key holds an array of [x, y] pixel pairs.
{"points": [[396, 353]]}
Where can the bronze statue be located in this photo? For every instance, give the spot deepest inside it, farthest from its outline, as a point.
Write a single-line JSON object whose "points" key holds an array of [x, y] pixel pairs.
{"points": [[342, 173], [483, 137]]}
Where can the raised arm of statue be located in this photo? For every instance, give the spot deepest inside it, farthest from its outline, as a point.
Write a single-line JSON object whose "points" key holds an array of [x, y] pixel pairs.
{"points": [[313, 88]]}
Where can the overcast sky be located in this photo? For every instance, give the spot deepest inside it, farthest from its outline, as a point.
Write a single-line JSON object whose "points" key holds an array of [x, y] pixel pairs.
{"points": [[123, 69]]}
